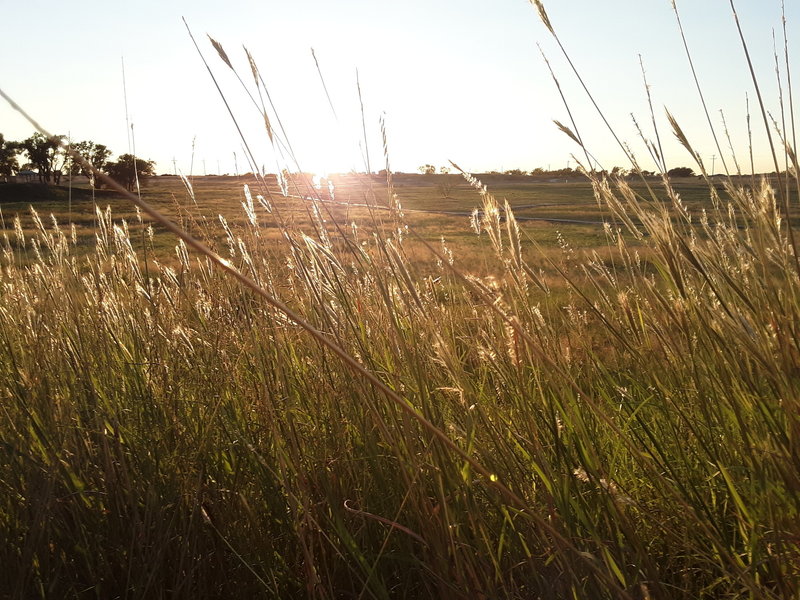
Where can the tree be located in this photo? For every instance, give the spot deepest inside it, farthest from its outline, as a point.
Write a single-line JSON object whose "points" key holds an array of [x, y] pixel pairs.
{"points": [[128, 168], [427, 169], [45, 154], [96, 154], [681, 172], [8, 157]]}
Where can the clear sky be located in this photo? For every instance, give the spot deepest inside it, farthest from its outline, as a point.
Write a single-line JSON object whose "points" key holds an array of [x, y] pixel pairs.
{"points": [[457, 80]]}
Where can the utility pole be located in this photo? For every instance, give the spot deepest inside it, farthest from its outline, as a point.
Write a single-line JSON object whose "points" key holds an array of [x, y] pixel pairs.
{"points": [[713, 161], [174, 167], [204, 167]]}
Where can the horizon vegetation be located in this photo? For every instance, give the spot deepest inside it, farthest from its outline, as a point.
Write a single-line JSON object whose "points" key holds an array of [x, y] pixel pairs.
{"points": [[49, 159]]}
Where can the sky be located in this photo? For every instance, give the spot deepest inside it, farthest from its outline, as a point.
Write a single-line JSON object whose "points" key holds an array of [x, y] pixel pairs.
{"points": [[453, 80]]}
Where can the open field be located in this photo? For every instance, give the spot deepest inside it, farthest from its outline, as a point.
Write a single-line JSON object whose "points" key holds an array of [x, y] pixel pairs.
{"points": [[420, 387], [544, 210], [521, 414]]}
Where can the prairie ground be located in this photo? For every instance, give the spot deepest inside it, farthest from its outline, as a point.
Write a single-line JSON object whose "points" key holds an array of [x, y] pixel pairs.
{"points": [[593, 394], [551, 213]]}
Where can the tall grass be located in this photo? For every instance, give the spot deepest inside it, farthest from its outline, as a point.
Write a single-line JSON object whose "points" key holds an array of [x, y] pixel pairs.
{"points": [[167, 432]]}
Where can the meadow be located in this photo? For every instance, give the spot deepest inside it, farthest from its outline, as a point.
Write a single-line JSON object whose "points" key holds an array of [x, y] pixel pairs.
{"points": [[544, 210], [567, 410], [516, 389]]}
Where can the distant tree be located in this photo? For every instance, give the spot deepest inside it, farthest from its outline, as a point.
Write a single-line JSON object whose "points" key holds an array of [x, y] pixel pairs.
{"points": [[681, 172], [127, 167], [45, 154], [447, 182], [515, 172], [96, 154], [8, 157], [427, 169]]}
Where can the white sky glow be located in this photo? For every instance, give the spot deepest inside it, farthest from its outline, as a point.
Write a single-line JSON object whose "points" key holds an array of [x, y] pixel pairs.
{"points": [[458, 80]]}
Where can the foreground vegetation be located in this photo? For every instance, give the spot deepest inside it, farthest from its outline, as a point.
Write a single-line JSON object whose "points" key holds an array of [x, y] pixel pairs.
{"points": [[627, 433]]}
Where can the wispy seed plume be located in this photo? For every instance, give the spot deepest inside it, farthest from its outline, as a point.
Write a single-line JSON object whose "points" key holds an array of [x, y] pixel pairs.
{"points": [[222, 54], [543, 15]]}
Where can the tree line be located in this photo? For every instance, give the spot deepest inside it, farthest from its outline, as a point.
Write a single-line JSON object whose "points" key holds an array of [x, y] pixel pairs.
{"points": [[567, 172], [50, 159]]}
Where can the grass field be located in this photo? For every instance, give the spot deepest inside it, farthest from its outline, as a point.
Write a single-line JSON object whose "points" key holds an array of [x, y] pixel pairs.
{"points": [[544, 410], [378, 390], [568, 209], [543, 209]]}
